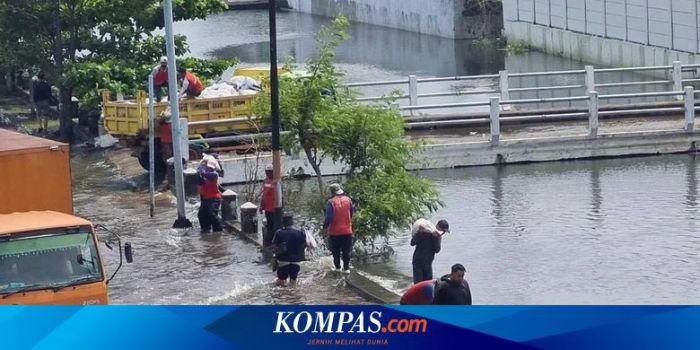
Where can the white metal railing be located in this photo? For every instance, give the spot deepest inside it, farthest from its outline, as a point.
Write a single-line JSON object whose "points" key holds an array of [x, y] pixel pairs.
{"points": [[499, 99], [687, 94], [502, 89]]}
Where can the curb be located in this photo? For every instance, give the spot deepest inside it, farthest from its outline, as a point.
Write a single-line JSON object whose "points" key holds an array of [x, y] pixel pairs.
{"points": [[365, 287]]}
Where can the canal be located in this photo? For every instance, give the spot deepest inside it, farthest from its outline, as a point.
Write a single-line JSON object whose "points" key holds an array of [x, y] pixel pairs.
{"points": [[605, 231]]}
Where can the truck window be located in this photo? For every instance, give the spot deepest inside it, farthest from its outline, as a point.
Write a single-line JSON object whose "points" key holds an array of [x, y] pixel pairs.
{"points": [[46, 261]]}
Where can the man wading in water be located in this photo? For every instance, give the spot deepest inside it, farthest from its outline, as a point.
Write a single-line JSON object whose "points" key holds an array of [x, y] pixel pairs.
{"points": [[427, 239]]}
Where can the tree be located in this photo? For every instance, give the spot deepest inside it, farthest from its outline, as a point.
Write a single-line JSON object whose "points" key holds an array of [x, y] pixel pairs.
{"points": [[326, 121], [83, 45]]}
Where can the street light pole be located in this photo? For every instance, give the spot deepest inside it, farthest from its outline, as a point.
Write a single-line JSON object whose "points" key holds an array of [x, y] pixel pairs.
{"points": [[275, 117], [181, 221]]}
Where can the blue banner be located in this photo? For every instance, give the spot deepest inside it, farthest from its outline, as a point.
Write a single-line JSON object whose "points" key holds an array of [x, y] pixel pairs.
{"points": [[387, 327]]}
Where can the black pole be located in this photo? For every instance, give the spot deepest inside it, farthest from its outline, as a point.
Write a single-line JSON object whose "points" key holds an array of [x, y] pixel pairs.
{"points": [[275, 116]]}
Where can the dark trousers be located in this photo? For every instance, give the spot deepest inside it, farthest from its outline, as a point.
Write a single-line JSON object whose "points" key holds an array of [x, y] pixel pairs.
{"points": [[270, 225], [209, 215], [158, 91], [340, 244], [422, 271], [191, 92]]}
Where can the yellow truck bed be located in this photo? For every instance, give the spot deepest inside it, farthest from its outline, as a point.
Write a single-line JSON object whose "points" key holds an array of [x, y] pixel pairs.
{"points": [[130, 118]]}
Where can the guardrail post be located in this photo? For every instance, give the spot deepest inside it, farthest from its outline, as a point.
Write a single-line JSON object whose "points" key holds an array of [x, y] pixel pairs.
{"points": [[495, 122], [589, 79], [412, 91], [592, 114], [503, 85], [677, 77], [689, 108]]}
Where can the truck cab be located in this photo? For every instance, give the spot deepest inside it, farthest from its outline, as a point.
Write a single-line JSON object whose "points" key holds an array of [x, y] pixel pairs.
{"points": [[48, 257], [47, 254]]}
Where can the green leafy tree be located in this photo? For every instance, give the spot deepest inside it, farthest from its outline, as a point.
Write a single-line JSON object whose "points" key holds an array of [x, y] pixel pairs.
{"points": [[326, 121], [83, 45]]}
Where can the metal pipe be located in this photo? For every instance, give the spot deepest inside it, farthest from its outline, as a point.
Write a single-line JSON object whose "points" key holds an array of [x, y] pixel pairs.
{"points": [[533, 74], [629, 69], [458, 78], [546, 99], [182, 221], [445, 105], [642, 94], [275, 121], [151, 149], [634, 83], [641, 111], [235, 137], [562, 87], [459, 93]]}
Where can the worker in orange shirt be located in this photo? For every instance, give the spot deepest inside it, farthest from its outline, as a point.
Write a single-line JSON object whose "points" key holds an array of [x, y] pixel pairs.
{"points": [[338, 226], [191, 85]]}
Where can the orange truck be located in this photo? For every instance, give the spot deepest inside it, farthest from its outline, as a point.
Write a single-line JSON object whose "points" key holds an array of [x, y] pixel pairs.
{"points": [[47, 255]]}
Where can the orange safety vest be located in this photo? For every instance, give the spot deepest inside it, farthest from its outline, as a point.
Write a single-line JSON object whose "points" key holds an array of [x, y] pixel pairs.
{"points": [[194, 82], [342, 216], [210, 189]]}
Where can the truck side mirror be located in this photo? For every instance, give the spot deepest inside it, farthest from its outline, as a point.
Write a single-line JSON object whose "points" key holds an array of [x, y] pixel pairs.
{"points": [[128, 253]]}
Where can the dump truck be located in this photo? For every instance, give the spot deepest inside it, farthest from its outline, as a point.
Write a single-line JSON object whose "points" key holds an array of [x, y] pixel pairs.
{"points": [[128, 120], [47, 254]]}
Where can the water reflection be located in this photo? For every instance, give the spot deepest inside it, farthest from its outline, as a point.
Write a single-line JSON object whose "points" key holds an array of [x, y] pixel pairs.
{"points": [[389, 49], [596, 214], [691, 198], [585, 232]]}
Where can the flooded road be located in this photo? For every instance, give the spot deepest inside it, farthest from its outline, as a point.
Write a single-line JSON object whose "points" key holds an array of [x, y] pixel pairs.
{"points": [[604, 231], [182, 266]]}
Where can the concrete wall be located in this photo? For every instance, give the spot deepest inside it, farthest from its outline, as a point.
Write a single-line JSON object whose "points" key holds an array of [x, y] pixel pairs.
{"points": [[434, 17], [460, 154], [608, 32]]}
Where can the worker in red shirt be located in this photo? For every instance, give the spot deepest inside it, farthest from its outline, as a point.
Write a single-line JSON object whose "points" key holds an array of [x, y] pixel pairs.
{"points": [[160, 78], [338, 226], [267, 205], [211, 198], [420, 293], [191, 85], [165, 133]]}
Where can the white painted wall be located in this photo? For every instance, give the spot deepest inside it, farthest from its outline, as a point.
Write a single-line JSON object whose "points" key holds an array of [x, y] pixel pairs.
{"points": [[434, 17], [670, 24]]}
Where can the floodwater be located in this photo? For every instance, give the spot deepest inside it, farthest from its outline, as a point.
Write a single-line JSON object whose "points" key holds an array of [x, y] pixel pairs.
{"points": [[616, 231], [183, 266], [382, 54], [605, 231]]}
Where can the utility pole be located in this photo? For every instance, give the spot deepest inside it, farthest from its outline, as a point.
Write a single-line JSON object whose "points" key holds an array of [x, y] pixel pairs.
{"points": [[181, 221], [275, 117]]}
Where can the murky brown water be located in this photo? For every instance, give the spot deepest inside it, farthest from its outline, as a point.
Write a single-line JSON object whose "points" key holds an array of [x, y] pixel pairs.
{"points": [[182, 266]]}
